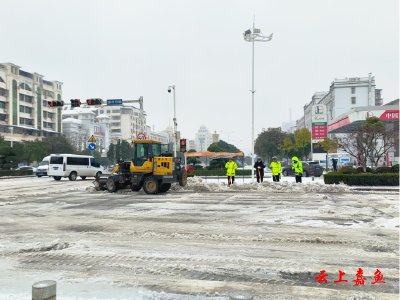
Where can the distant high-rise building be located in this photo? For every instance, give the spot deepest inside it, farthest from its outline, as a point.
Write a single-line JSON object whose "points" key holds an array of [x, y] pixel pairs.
{"points": [[287, 126], [192, 144], [203, 139]]}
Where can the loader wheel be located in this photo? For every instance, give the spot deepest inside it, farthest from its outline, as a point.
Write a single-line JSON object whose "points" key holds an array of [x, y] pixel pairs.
{"points": [[111, 185], [183, 178], [151, 185], [135, 188], [165, 187]]}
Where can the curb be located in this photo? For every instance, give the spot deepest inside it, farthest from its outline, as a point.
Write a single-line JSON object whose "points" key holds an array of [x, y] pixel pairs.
{"points": [[12, 177]]}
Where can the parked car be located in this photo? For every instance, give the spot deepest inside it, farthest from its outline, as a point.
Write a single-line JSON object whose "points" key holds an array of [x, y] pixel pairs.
{"points": [[348, 165], [310, 168], [43, 168], [27, 168]]}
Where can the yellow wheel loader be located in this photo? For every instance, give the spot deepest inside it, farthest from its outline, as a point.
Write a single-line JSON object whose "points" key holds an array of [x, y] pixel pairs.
{"points": [[152, 168]]}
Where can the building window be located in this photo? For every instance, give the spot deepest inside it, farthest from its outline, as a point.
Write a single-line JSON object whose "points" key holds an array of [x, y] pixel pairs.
{"points": [[353, 90], [2, 105], [28, 110], [353, 100], [116, 118], [21, 121], [108, 111], [44, 114], [115, 111], [1, 79], [102, 112]]}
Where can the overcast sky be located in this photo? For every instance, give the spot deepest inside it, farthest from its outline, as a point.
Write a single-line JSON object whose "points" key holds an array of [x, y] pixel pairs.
{"points": [[126, 49]]}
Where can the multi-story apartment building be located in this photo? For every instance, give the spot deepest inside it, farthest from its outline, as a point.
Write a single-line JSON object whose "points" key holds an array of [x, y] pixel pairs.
{"points": [[80, 123], [348, 93], [343, 95], [126, 121], [165, 136], [24, 111], [192, 144]]}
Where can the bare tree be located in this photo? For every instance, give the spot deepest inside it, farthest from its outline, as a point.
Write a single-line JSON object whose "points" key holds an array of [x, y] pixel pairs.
{"points": [[370, 142]]}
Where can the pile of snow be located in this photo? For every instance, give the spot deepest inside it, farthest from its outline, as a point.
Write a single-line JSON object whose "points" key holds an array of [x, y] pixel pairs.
{"points": [[41, 247], [361, 296], [196, 184]]}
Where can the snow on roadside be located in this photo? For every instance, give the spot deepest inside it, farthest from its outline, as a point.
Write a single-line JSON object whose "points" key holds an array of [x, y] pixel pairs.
{"points": [[196, 184]]}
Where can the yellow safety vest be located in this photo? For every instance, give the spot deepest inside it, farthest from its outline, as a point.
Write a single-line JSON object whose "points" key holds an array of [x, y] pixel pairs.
{"points": [[276, 167], [231, 168]]}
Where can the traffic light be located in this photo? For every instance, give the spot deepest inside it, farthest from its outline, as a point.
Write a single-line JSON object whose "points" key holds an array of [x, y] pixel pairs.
{"points": [[96, 101], [75, 103], [183, 145], [55, 103]]}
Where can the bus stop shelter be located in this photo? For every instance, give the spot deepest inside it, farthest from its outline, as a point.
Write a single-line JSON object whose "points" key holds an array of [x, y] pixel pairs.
{"points": [[216, 155]]}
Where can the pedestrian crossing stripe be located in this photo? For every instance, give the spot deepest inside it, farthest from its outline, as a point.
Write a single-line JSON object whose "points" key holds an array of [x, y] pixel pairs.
{"points": [[92, 139]]}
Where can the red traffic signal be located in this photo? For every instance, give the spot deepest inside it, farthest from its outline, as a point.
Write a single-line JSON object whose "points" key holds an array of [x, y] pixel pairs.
{"points": [[183, 145], [55, 103], [75, 103], [96, 101]]}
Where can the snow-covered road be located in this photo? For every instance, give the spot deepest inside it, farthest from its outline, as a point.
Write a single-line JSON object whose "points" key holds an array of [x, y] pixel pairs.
{"points": [[200, 242]]}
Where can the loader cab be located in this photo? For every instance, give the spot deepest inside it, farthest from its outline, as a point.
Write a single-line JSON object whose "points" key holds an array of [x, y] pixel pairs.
{"points": [[144, 150]]}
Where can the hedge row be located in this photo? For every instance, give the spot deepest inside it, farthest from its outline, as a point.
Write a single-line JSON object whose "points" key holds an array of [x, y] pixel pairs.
{"points": [[219, 172], [363, 179], [379, 170], [15, 172]]}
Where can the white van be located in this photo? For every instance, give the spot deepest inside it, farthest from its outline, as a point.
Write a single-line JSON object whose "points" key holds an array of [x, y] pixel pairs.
{"points": [[72, 166], [43, 167]]}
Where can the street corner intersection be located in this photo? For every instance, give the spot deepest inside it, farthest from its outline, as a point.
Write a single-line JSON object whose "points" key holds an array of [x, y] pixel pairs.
{"points": [[202, 241]]}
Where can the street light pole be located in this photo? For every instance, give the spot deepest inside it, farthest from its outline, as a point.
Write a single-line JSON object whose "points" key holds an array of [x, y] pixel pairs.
{"points": [[228, 133], [237, 143], [175, 124], [255, 36]]}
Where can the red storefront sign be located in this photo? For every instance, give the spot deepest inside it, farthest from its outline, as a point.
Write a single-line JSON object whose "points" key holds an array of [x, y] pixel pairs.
{"points": [[319, 132], [391, 114]]}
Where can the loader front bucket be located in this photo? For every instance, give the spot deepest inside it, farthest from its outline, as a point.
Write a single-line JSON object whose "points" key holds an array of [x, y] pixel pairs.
{"points": [[100, 182]]}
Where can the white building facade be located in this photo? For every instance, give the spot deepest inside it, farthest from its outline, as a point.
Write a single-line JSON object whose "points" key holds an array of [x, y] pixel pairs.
{"points": [[203, 139], [24, 111], [343, 95], [126, 121], [80, 123], [348, 93]]}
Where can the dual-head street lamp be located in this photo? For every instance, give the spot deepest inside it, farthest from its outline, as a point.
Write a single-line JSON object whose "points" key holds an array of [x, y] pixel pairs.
{"points": [[254, 36]]}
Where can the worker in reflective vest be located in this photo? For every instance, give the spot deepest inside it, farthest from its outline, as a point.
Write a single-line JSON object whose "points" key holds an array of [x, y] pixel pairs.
{"points": [[276, 169], [231, 167], [297, 166]]}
